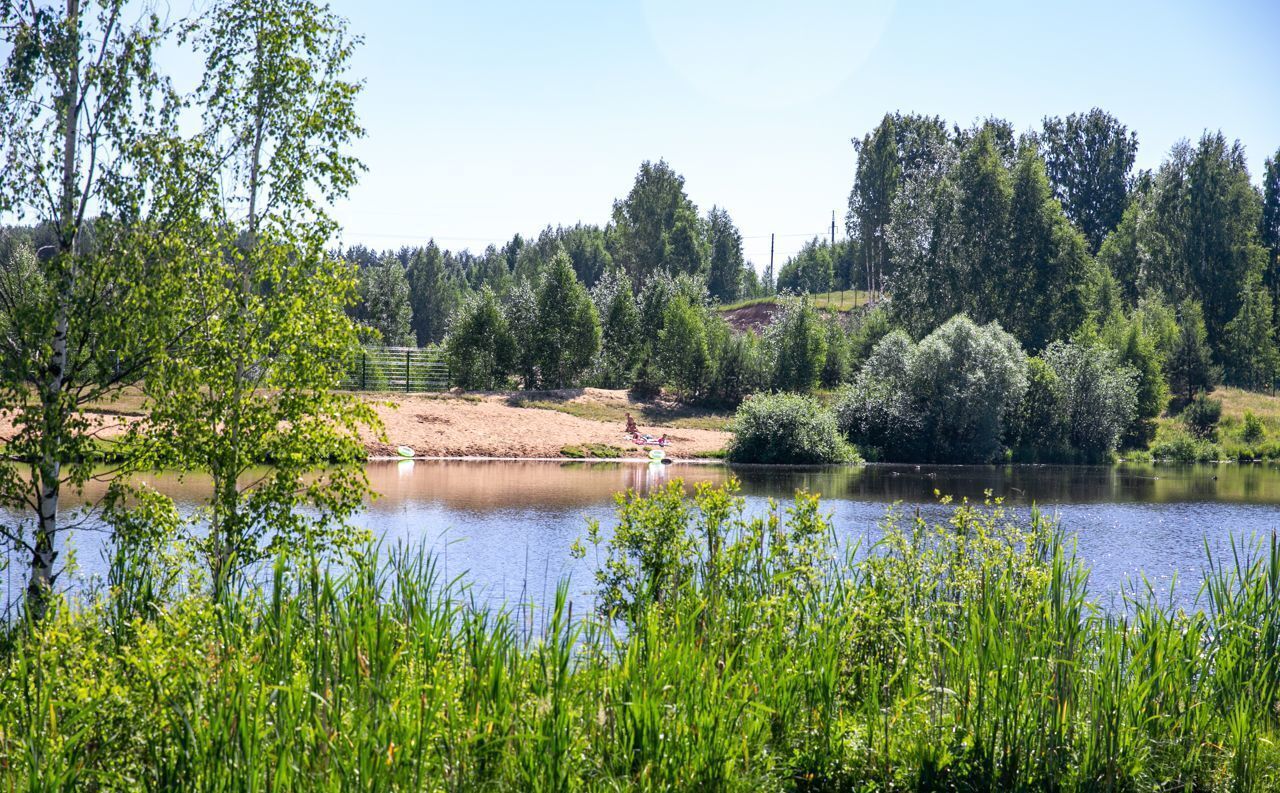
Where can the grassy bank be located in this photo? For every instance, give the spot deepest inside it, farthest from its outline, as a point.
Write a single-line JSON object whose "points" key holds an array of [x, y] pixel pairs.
{"points": [[845, 300], [743, 654], [1232, 440]]}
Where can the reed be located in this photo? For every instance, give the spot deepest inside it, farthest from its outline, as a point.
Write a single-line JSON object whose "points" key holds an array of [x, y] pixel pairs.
{"points": [[738, 653]]}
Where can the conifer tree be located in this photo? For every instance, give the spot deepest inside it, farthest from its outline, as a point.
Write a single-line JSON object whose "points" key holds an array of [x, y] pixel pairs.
{"points": [[1252, 357]]}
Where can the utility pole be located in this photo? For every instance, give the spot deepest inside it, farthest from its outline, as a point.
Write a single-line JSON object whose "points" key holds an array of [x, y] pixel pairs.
{"points": [[835, 263]]}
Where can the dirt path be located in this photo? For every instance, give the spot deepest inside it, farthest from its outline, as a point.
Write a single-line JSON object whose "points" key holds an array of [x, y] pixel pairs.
{"points": [[494, 426]]}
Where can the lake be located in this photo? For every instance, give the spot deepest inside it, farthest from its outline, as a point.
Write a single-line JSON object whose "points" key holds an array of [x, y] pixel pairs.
{"points": [[508, 525]]}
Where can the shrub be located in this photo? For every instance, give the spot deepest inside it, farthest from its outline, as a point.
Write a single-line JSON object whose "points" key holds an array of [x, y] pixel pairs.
{"points": [[646, 384], [1039, 429], [742, 367], [1097, 396], [1201, 417], [799, 344], [682, 348], [1181, 447], [1253, 431], [946, 399], [967, 380], [787, 428]]}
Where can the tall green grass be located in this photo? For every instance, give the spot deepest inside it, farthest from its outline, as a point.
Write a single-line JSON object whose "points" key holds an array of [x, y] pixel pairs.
{"points": [[738, 653]]}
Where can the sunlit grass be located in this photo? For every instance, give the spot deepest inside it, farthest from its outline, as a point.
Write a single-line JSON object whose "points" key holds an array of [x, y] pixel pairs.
{"points": [[740, 654]]}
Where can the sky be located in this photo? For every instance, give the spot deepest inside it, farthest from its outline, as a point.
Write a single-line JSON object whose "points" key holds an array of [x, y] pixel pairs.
{"points": [[488, 118]]}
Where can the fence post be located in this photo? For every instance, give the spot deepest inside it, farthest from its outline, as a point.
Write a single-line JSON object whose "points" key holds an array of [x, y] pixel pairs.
{"points": [[406, 370], [364, 370]]}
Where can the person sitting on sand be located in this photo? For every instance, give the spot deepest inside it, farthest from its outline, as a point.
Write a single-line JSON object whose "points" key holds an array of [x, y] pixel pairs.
{"points": [[632, 430], [663, 440]]}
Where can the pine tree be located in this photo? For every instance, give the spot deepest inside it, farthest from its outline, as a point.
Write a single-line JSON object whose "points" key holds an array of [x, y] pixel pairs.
{"points": [[1269, 226], [1191, 369], [982, 217], [384, 293], [1047, 261], [1253, 359], [568, 329], [724, 279]]}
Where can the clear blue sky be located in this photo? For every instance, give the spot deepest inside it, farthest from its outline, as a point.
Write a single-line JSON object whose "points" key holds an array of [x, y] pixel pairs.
{"points": [[486, 118]]}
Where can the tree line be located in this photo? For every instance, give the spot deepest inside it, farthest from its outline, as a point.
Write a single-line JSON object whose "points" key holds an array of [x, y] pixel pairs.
{"points": [[409, 296]]}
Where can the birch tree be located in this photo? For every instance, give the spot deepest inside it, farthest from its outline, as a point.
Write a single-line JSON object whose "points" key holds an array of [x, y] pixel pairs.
{"points": [[256, 383], [90, 158]]}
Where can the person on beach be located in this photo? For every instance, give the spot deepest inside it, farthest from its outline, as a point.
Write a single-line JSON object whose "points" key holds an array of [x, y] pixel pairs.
{"points": [[632, 430]]}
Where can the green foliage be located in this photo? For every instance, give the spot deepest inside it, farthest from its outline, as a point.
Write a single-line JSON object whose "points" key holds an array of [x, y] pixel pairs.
{"points": [[93, 157], [1191, 369], [1044, 298], [967, 380], [1253, 432], [1096, 396], [726, 269], [1183, 447], [742, 365], [787, 428], [647, 382], [656, 227], [1136, 345], [948, 398], [597, 451], [384, 300], [1040, 429], [810, 271], [799, 343], [480, 346], [621, 335], [1201, 417], [683, 352], [735, 651], [867, 331], [567, 334], [254, 381], [434, 295], [835, 365], [1088, 157], [1253, 359]]}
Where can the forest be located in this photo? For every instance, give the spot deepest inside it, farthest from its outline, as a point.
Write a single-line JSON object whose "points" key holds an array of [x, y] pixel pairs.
{"points": [[1101, 287]]}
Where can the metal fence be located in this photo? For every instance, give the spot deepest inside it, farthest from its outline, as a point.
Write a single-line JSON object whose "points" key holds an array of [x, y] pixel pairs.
{"points": [[404, 369]]}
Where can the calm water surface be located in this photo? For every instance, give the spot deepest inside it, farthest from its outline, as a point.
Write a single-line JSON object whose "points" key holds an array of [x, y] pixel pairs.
{"points": [[508, 525]]}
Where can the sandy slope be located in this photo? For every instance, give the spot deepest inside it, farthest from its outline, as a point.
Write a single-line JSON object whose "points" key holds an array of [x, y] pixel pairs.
{"points": [[491, 427]]}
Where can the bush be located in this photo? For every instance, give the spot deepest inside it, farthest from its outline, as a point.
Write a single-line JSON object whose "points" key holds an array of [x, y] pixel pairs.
{"points": [[799, 343], [787, 428], [946, 399], [1201, 417], [1097, 396], [742, 367], [646, 384], [1182, 447], [1253, 431]]}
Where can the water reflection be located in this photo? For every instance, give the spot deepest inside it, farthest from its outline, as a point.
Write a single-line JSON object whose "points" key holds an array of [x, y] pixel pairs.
{"points": [[509, 524]]}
